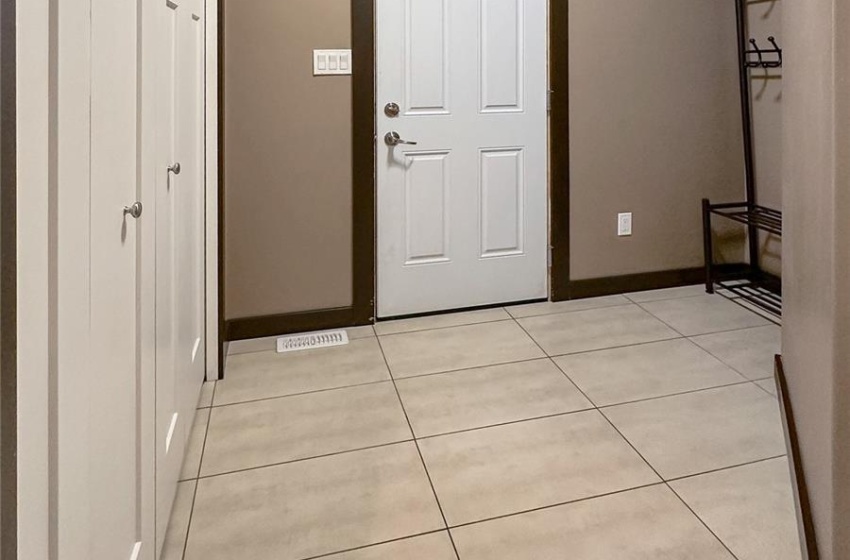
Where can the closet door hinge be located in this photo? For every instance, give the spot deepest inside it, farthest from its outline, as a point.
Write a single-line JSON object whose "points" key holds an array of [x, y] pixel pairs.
{"points": [[549, 100]]}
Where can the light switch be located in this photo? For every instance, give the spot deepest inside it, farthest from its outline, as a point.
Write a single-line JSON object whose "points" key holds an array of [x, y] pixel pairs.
{"points": [[335, 62]]}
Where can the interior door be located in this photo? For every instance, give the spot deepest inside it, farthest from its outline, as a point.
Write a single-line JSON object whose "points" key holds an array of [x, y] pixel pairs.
{"points": [[99, 457], [179, 241], [462, 185]]}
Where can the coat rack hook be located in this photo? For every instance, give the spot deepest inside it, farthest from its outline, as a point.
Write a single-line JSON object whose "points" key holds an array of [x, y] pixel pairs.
{"points": [[758, 53]]}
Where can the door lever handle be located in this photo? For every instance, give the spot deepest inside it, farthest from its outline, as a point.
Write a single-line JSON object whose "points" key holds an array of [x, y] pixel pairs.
{"points": [[394, 139]]}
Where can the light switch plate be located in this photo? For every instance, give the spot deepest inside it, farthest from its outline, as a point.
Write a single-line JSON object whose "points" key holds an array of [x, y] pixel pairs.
{"points": [[624, 224], [333, 62]]}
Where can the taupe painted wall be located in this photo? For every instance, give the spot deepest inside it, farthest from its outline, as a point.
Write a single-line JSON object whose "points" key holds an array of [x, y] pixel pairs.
{"points": [[816, 260], [288, 183], [765, 20], [655, 127]]}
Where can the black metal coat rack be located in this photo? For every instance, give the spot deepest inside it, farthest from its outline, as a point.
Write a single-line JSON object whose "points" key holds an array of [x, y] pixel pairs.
{"points": [[751, 282]]}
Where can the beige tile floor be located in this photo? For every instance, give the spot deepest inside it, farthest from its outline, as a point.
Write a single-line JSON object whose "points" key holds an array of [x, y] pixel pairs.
{"points": [[640, 426]]}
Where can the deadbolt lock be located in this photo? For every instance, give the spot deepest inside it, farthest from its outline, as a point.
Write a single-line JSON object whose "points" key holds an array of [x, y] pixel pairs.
{"points": [[392, 110]]}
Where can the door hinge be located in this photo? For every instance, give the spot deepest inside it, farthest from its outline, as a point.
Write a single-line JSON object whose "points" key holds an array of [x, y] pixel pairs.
{"points": [[549, 100], [549, 256]]}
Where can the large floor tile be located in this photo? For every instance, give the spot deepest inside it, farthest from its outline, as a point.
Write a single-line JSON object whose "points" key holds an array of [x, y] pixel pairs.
{"points": [[178, 524], [648, 370], [269, 343], [480, 397], [314, 507], [441, 321], [751, 509], [595, 329], [750, 351], [704, 314], [195, 445], [456, 348], [269, 374], [667, 293], [507, 469], [643, 524], [550, 307], [272, 431], [703, 431], [434, 546]]}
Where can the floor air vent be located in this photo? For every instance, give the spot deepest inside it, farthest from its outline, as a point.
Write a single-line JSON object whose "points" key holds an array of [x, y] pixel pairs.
{"points": [[313, 340]]}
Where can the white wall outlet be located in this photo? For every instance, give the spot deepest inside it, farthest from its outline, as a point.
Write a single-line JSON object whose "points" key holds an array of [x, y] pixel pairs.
{"points": [[335, 62], [624, 224]]}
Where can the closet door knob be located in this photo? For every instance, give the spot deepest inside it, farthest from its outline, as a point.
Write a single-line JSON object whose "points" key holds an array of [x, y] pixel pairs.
{"points": [[134, 210], [174, 168]]}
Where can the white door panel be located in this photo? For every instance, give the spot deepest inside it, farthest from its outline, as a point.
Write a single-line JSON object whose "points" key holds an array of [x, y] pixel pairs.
{"points": [[98, 409], [462, 214], [179, 241]]}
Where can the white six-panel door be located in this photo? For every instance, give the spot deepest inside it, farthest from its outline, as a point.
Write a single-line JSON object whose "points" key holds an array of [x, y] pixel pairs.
{"points": [[462, 214], [179, 240]]}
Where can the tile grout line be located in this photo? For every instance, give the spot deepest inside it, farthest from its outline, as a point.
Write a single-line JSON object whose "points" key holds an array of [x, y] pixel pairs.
{"points": [[666, 483], [303, 393], [197, 481], [659, 319], [627, 296], [372, 545], [556, 505], [191, 514], [303, 459], [729, 468], [419, 451], [700, 519], [428, 329], [678, 394], [720, 359]]}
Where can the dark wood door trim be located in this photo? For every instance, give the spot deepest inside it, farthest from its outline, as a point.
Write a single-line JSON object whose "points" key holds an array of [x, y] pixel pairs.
{"points": [[8, 283], [559, 149], [361, 311]]}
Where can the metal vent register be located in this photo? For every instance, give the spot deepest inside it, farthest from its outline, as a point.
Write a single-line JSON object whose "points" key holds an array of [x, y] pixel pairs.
{"points": [[313, 340]]}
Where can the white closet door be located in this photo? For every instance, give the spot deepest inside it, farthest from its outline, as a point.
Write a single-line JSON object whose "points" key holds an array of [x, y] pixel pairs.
{"points": [[462, 214], [179, 239], [98, 409]]}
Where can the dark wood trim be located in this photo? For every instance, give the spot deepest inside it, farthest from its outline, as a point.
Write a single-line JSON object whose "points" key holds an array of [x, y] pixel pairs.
{"points": [[222, 340], [612, 285], [362, 309], [290, 323], [364, 159], [8, 284], [559, 149], [804, 508]]}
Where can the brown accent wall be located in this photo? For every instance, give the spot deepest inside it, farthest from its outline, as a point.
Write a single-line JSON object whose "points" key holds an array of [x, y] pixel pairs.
{"points": [[287, 158], [816, 260], [654, 128]]}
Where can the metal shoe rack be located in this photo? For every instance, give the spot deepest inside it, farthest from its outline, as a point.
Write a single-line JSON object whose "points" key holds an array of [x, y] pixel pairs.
{"points": [[749, 283]]}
